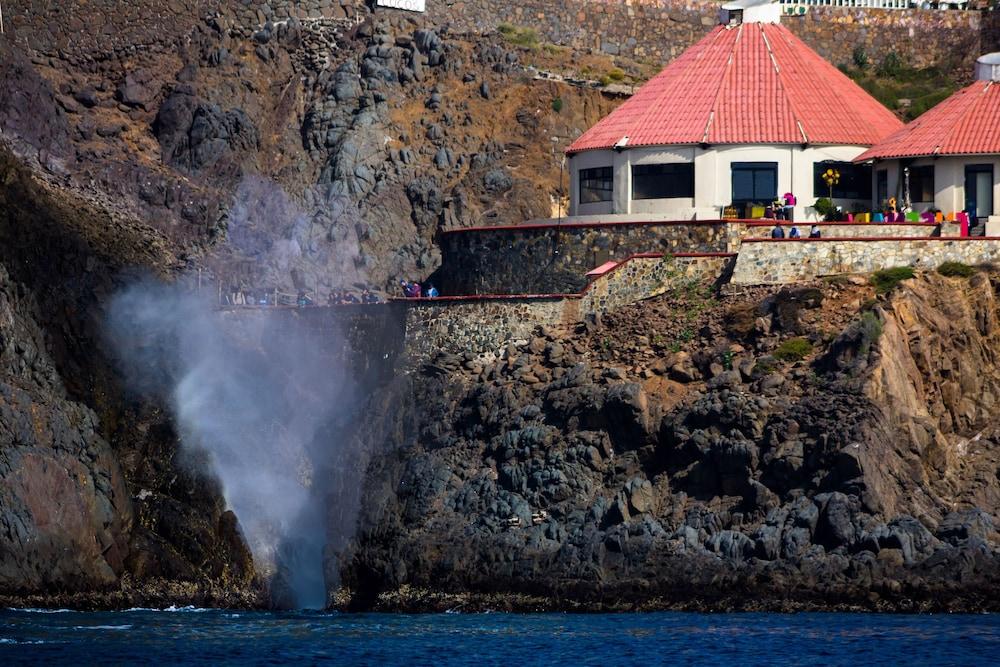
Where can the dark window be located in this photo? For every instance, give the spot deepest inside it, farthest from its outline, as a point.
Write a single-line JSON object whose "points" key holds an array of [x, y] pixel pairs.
{"points": [[881, 187], [663, 181], [755, 182], [922, 183], [855, 180], [595, 185]]}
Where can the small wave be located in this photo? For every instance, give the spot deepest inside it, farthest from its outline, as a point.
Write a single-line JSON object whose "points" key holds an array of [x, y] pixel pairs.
{"points": [[5, 640], [33, 610], [102, 627], [189, 609]]}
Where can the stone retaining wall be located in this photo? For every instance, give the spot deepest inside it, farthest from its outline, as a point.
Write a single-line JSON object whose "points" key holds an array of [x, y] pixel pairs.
{"points": [[851, 230], [778, 262], [645, 277], [555, 259], [98, 30], [654, 30], [484, 326], [659, 30], [481, 327]]}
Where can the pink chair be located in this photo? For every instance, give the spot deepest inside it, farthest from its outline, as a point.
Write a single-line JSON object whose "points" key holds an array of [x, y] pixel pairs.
{"points": [[963, 219]]}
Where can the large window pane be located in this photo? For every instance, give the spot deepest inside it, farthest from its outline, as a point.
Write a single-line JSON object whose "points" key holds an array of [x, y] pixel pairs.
{"points": [[595, 185], [755, 182], [922, 183], [663, 181], [855, 180]]}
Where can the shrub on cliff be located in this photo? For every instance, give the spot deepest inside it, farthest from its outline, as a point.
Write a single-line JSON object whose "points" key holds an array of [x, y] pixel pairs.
{"points": [[526, 37], [886, 280], [794, 349], [956, 270]]}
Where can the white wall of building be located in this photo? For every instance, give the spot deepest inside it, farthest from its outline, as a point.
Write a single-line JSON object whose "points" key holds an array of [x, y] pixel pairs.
{"points": [[949, 180], [712, 177]]}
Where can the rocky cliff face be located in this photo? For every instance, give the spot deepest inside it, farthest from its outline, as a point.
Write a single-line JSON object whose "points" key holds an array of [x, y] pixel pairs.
{"points": [[803, 448], [174, 140], [692, 451]]}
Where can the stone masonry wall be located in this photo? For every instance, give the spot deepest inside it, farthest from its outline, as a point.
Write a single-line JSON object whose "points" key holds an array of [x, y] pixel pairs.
{"points": [[486, 326], [853, 230], [777, 262], [480, 327], [555, 259], [645, 277], [98, 30], [653, 30], [659, 30]]}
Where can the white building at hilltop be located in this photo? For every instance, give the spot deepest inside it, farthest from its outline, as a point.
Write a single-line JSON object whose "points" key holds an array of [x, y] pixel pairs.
{"points": [[745, 115]]}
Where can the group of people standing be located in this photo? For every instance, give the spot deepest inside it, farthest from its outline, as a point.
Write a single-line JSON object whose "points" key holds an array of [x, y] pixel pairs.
{"points": [[782, 208], [778, 232], [414, 290]]}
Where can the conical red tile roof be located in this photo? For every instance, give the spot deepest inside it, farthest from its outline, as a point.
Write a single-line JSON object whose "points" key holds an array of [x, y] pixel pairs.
{"points": [[967, 123], [755, 83]]}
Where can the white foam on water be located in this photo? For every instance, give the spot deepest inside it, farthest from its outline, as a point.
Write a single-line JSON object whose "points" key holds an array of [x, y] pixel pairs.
{"points": [[189, 608], [33, 610], [102, 627]]}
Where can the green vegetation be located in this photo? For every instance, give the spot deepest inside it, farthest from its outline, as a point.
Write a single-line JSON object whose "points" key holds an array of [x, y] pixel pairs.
{"points": [[886, 280], [519, 36], [890, 66], [614, 75], [860, 58], [794, 349], [824, 207], [557, 104], [908, 91], [956, 270]]}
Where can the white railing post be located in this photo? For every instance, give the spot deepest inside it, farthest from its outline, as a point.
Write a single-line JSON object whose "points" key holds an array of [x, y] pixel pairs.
{"points": [[1, 18]]}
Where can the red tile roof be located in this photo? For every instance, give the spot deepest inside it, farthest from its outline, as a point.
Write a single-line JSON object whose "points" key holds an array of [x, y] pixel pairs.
{"points": [[752, 84], [967, 123]]}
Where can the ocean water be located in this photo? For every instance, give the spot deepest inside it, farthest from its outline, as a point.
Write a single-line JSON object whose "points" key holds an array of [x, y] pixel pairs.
{"points": [[207, 637]]}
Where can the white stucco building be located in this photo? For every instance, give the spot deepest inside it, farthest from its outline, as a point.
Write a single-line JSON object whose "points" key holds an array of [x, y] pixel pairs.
{"points": [[743, 116], [948, 159]]}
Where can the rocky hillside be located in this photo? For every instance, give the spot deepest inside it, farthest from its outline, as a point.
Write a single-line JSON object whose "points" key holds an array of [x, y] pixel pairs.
{"points": [[310, 154], [292, 155], [816, 447]]}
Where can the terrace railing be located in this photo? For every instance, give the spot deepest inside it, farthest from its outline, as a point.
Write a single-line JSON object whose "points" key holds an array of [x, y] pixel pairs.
{"points": [[801, 6]]}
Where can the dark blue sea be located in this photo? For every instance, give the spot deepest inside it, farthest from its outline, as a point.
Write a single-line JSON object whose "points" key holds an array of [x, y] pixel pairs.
{"points": [[203, 637]]}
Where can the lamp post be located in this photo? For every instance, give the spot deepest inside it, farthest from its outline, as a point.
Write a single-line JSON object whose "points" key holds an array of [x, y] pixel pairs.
{"points": [[1, 18], [562, 168]]}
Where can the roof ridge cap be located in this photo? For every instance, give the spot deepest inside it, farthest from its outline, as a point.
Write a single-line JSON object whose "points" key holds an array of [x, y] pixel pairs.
{"points": [[722, 81], [784, 88]]}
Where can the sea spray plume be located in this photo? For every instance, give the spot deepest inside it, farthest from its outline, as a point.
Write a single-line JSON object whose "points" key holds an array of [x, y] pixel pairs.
{"points": [[256, 394], [308, 244]]}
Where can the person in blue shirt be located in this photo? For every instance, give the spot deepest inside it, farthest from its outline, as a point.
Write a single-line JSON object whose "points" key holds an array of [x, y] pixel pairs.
{"points": [[777, 232], [794, 233], [432, 292]]}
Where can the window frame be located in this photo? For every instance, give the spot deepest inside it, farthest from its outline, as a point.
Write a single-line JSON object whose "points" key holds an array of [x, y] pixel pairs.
{"points": [[857, 175], [923, 168], [754, 168], [682, 184], [590, 175]]}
